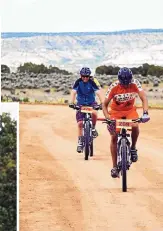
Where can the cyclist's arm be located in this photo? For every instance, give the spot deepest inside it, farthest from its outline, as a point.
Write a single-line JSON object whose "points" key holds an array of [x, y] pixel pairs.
{"points": [[105, 105], [74, 91], [141, 94], [97, 91], [100, 95], [144, 100], [108, 97], [73, 96]]}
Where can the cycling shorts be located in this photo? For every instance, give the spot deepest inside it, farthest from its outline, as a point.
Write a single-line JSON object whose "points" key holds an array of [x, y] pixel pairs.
{"points": [[130, 114]]}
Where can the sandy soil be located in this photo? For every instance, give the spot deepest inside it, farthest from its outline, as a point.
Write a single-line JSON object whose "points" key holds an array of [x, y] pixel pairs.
{"points": [[60, 191]]}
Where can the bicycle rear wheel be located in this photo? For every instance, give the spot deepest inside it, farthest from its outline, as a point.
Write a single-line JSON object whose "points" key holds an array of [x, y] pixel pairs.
{"points": [[86, 139], [124, 165]]}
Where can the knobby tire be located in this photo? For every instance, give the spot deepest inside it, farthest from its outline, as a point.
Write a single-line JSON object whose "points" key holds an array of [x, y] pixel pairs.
{"points": [[124, 165], [87, 135]]}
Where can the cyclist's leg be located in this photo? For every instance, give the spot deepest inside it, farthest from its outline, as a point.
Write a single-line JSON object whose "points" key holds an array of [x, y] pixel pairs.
{"points": [[79, 119], [113, 144], [132, 114], [94, 120], [134, 136], [80, 124], [113, 149]]}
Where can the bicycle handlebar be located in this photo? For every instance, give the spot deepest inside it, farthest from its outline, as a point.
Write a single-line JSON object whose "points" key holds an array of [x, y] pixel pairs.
{"points": [[109, 121], [77, 107]]}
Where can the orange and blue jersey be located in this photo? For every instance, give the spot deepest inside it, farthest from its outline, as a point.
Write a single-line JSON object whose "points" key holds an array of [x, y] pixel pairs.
{"points": [[123, 99]]}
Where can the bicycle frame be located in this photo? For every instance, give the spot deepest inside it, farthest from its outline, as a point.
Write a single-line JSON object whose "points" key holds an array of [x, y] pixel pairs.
{"points": [[87, 131], [87, 128], [123, 147], [87, 117], [123, 137]]}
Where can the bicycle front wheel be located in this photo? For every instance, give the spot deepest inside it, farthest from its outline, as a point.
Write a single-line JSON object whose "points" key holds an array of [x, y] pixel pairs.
{"points": [[86, 139], [124, 165]]}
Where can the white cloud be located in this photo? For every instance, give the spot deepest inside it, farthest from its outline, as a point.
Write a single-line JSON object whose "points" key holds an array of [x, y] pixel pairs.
{"points": [[80, 15]]}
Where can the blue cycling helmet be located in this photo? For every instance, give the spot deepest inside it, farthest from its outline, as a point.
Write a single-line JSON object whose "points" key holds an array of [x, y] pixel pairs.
{"points": [[85, 71], [125, 76]]}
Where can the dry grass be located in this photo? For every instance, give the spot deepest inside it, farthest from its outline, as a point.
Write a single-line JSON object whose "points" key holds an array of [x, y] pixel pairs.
{"points": [[155, 98]]}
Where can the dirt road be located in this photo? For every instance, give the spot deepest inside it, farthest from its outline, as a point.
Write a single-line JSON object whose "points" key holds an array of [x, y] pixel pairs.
{"points": [[60, 191]]}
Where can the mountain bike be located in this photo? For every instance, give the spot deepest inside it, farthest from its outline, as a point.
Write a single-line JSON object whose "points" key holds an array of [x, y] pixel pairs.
{"points": [[87, 138], [123, 146]]}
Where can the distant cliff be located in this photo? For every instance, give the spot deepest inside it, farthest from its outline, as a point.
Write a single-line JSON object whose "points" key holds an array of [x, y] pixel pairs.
{"points": [[70, 51]]}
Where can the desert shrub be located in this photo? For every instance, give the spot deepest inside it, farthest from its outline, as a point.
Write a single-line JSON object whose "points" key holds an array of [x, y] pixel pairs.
{"points": [[8, 143]]}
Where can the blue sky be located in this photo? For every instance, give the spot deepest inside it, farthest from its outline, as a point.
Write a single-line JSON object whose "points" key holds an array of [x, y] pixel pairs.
{"points": [[12, 108], [79, 15]]}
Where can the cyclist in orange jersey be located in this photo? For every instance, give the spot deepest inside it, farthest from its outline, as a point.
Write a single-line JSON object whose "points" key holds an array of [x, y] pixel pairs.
{"points": [[123, 93]]}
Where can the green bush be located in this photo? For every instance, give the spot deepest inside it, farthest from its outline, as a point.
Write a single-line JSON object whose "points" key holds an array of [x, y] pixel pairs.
{"points": [[5, 68], [40, 68], [8, 174], [26, 99], [143, 70]]}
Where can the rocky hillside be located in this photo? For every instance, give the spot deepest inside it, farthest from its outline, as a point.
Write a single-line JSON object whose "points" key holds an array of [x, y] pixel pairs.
{"points": [[73, 50]]}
